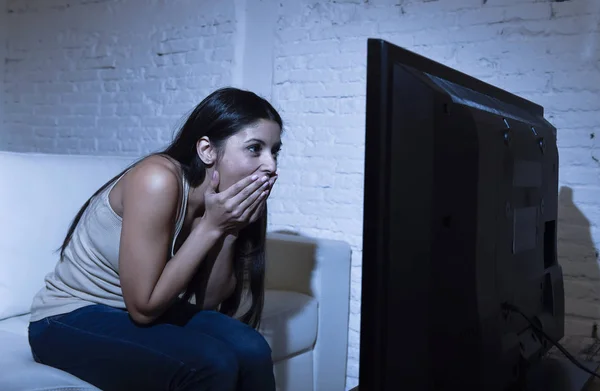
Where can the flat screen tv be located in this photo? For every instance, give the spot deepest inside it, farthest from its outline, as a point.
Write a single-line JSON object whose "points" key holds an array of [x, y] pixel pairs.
{"points": [[461, 288]]}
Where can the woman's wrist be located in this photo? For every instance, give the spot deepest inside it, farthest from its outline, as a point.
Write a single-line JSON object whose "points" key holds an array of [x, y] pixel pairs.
{"points": [[205, 231]]}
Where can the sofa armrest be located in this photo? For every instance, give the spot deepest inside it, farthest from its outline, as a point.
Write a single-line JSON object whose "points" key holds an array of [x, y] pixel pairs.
{"points": [[319, 268]]}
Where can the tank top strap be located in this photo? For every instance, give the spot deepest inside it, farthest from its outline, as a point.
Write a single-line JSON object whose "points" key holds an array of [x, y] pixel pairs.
{"points": [[105, 194]]}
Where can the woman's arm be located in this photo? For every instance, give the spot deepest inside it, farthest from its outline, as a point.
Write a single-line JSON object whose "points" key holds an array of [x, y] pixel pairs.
{"points": [[150, 203], [222, 280]]}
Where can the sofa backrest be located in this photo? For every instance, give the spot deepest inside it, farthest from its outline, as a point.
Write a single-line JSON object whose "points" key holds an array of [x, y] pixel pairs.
{"points": [[40, 195]]}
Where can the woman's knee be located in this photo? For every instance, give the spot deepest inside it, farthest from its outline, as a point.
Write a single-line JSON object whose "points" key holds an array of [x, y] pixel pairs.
{"points": [[255, 348], [220, 372], [224, 364]]}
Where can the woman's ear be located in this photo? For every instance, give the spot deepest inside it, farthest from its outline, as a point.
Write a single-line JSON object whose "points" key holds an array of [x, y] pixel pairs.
{"points": [[205, 151]]}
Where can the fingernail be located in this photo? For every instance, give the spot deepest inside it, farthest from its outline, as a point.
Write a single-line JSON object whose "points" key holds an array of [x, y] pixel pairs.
{"points": [[254, 177], [264, 179]]}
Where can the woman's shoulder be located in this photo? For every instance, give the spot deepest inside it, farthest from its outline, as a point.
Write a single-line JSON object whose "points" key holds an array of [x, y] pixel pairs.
{"points": [[153, 182], [155, 176], [159, 164]]}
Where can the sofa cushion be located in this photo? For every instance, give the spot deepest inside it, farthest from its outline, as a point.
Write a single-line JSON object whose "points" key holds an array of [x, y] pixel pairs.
{"points": [[289, 323], [16, 325], [18, 371], [39, 197]]}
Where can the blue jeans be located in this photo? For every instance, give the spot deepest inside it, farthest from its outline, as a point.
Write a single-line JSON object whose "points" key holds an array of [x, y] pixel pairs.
{"points": [[186, 349]]}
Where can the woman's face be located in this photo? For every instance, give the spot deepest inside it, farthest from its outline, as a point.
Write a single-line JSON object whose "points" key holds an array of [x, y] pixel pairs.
{"points": [[252, 150]]}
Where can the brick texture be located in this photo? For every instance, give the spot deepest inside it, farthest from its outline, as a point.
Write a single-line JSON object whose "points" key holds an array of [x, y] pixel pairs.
{"points": [[110, 77], [542, 50], [114, 77], [3, 42]]}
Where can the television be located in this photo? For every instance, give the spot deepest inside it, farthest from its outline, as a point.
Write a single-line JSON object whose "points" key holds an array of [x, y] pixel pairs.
{"points": [[461, 288]]}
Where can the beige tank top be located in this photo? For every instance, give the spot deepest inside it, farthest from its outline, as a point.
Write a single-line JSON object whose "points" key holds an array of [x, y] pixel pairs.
{"points": [[88, 272]]}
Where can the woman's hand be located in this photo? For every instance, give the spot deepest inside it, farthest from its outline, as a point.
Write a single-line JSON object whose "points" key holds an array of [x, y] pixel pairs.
{"points": [[231, 210]]}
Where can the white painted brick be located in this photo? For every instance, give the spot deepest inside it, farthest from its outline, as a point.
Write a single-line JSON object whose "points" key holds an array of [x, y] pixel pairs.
{"points": [[353, 45], [324, 46], [385, 4], [567, 101], [587, 196], [561, 26], [431, 7], [480, 16], [333, 61], [352, 382], [335, 89], [501, 3], [513, 63], [140, 110], [574, 8], [5, 85], [576, 156], [51, 110], [417, 23], [50, 87], [114, 85], [514, 13], [517, 45], [79, 122], [352, 369], [585, 269], [301, 76], [12, 88], [579, 326], [519, 84], [582, 290], [355, 319], [582, 308], [294, 35], [93, 86], [459, 34], [72, 62], [579, 176], [528, 11], [45, 133], [584, 80], [575, 119]]}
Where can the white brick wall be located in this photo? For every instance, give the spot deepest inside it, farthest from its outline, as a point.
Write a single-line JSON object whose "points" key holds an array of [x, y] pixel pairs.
{"points": [[3, 41], [109, 76], [88, 78], [546, 51]]}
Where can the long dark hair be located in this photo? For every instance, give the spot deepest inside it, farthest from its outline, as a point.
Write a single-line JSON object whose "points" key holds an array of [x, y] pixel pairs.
{"points": [[219, 116]]}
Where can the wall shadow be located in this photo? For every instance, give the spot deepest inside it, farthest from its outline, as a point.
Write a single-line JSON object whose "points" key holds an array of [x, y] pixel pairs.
{"points": [[578, 257]]}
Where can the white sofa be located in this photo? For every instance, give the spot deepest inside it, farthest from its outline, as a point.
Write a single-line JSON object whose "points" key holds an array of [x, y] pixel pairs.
{"points": [[308, 280]]}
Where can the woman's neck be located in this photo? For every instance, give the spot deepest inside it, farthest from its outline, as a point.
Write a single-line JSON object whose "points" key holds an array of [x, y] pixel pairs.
{"points": [[196, 203]]}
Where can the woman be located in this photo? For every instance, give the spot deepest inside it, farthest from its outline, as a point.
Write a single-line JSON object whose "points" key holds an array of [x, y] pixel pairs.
{"points": [[185, 223]]}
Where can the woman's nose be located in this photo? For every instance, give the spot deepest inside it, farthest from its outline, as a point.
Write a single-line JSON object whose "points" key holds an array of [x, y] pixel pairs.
{"points": [[269, 164]]}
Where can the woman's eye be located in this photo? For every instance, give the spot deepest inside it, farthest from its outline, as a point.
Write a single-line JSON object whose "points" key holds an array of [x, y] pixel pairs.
{"points": [[254, 148]]}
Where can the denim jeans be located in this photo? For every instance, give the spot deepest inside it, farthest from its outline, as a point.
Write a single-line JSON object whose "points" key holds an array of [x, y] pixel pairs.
{"points": [[185, 350]]}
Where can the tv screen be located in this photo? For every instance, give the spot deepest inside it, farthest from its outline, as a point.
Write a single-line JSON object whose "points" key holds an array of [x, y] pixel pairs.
{"points": [[459, 269]]}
